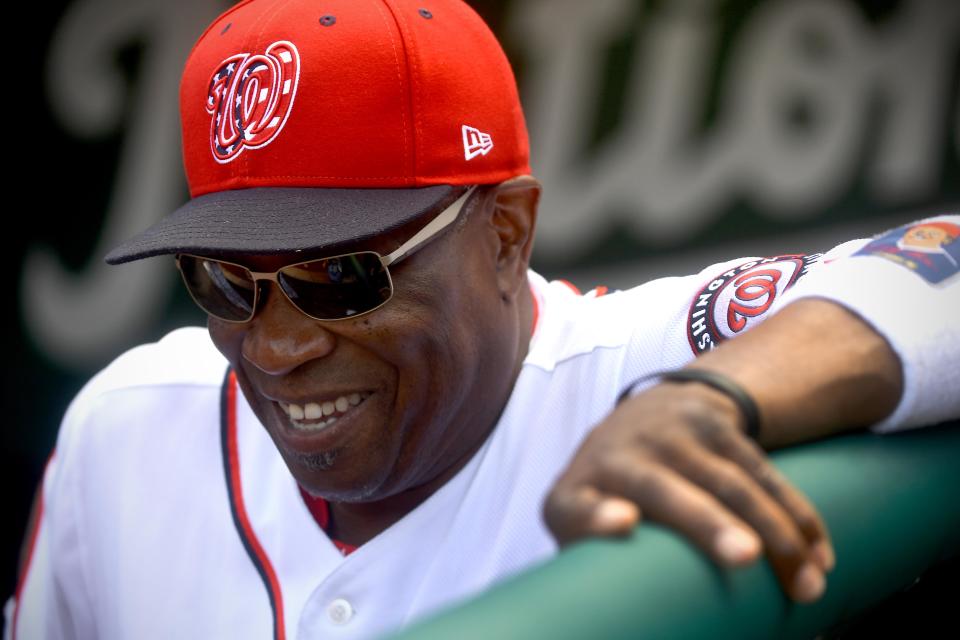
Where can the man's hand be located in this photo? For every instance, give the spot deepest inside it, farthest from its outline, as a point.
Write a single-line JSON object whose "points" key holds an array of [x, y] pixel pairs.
{"points": [[678, 455]]}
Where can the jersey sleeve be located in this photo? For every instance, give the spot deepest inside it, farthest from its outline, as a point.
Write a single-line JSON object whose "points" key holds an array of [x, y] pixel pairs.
{"points": [[51, 597], [63, 586], [904, 283]]}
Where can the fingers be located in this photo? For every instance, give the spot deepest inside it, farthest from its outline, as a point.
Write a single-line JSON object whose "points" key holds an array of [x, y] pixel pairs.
{"points": [[789, 529], [669, 498], [574, 511], [729, 512], [752, 459]]}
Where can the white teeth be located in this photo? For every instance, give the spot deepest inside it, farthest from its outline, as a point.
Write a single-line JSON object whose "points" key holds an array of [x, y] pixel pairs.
{"points": [[324, 414], [312, 411], [313, 426]]}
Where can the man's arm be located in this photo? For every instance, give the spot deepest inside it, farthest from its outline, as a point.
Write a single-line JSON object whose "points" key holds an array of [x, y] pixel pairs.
{"points": [[815, 369], [677, 453]]}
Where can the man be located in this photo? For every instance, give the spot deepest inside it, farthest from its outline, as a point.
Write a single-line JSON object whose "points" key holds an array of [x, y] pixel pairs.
{"points": [[389, 399]]}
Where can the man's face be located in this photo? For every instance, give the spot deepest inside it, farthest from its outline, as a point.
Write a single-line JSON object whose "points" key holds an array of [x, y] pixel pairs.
{"points": [[415, 385]]}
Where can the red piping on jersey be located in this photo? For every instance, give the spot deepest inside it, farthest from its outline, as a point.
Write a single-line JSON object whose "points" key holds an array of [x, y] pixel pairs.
{"points": [[345, 548], [32, 545], [572, 287], [320, 511], [318, 508], [235, 490]]}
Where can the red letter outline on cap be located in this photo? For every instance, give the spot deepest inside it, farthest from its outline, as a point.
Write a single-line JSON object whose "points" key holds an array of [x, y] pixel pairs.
{"points": [[258, 114]]}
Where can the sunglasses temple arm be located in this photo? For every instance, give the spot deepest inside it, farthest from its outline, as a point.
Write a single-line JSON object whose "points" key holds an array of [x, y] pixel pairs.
{"points": [[429, 230]]}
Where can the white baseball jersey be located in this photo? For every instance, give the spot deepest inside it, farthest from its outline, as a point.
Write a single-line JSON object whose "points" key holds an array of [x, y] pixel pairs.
{"points": [[168, 512]]}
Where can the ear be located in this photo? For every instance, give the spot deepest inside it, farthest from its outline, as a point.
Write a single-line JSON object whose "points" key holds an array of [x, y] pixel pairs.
{"points": [[514, 218]]}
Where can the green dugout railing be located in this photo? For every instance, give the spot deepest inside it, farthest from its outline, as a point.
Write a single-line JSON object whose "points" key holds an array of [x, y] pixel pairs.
{"points": [[891, 504]]}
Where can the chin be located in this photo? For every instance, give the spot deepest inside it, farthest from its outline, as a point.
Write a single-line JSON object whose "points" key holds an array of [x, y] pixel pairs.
{"points": [[333, 476], [356, 492]]}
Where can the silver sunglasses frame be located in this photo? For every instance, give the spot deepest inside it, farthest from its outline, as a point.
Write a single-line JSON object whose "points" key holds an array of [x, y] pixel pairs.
{"points": [[430, 230]]}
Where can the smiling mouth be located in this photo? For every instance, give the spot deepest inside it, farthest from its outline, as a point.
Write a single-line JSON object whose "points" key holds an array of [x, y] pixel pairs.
{"points": [[315, 416]]}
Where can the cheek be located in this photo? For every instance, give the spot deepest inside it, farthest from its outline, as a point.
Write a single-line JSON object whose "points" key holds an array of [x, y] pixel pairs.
{"points": [[227, 338], [430, 329]]}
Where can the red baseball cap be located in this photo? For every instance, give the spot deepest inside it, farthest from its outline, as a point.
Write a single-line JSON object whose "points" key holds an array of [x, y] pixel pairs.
{"points": [[309, 125]]}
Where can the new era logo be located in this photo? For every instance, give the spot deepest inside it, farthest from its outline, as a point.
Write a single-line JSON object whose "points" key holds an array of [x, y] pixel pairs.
{"points": [[475, 142]]}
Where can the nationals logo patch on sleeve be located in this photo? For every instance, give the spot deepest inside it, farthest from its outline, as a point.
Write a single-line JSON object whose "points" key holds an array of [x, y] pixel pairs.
{"points": [[929, 248], [738, 298]]}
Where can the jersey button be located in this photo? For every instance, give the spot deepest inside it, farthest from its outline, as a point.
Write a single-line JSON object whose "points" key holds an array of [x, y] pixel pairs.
{"points": [[340, 611]]}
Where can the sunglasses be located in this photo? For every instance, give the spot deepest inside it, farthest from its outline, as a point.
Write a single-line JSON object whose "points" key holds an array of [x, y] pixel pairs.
{"points": [[332, 288]]}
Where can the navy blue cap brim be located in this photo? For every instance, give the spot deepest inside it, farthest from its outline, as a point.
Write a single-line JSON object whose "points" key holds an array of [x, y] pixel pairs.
{"points": [[280, 220]]}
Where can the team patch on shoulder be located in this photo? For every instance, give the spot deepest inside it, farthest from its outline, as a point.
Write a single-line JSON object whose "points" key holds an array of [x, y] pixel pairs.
{"points": [[738, 298], [929, 248]]}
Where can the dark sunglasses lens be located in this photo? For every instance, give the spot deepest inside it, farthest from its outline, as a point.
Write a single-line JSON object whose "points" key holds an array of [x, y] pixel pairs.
{"points": [[221, 289], [336, 288]]}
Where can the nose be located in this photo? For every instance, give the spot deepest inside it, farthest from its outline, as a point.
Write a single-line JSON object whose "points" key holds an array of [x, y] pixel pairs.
{"points": [[280, 338]]}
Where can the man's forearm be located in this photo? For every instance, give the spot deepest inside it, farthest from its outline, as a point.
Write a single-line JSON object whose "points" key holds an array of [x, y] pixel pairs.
{"points": [[814, 369], [675, 453]]}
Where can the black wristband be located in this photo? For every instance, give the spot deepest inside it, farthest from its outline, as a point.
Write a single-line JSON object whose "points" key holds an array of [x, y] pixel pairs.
{"points": [[723, 384]]}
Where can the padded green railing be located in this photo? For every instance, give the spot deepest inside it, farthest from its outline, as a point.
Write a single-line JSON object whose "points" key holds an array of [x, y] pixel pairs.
{"points": [[890, 502]]}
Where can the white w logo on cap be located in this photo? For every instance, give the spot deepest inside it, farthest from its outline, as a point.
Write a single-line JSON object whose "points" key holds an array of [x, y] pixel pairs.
{"points": [[475, 142]]}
